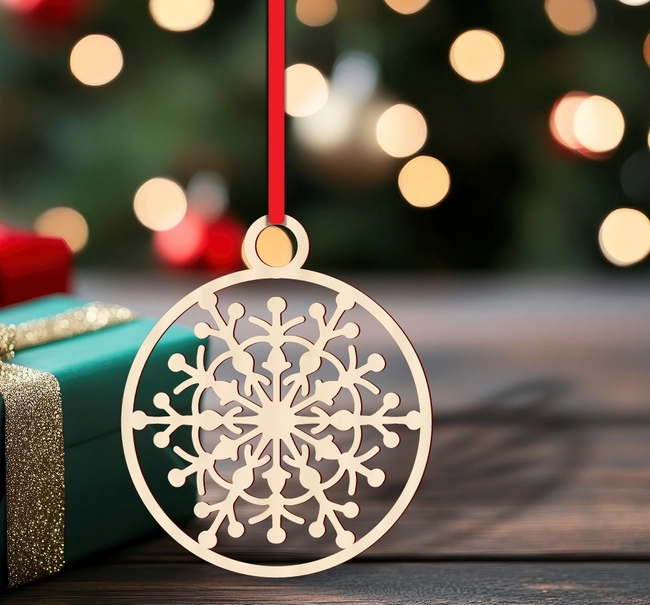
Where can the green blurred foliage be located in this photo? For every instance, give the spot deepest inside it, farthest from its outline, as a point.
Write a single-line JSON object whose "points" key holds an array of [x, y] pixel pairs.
{"points": [[188, 102]]}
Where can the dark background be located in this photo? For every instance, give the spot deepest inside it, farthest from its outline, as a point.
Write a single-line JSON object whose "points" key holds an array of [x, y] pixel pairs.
{"points": [[195, 101]]}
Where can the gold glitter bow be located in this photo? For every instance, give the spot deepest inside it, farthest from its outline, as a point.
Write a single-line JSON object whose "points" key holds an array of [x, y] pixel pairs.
{"points": [[35, 485]]}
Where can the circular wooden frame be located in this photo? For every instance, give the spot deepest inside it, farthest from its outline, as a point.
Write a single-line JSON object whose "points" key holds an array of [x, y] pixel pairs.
{"points": [[292, 271]]}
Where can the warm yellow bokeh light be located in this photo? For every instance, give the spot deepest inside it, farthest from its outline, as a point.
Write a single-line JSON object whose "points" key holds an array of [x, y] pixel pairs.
{"points": [[316, 12], [648, 139], [598, 124], [180, 15], [625, 237], [563, 117], [646, 50], [160, 204], [571, 17], [424, 181], [477, 55], [306, 90], [634, 2], [407, 7], [274, 247], [401, 131], [66, 223], [331, 128], [96, 60]]}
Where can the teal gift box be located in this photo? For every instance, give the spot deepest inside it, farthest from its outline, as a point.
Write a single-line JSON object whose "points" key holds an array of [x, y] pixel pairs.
{"points": [[102, 507]]}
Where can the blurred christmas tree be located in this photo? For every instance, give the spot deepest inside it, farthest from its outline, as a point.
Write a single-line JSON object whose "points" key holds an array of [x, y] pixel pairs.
{"points": [[193, 103]]}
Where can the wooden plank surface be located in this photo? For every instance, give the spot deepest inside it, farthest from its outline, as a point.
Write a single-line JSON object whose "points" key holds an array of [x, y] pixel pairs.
{"points": [[480, 337], [541, 392], [186, 583], [541, 451]]}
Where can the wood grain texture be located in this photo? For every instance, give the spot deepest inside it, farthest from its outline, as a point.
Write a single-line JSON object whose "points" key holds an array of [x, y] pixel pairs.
{"points": [[479, 337], [541, 451], [498, 491], [352, 583], [495, 492]]}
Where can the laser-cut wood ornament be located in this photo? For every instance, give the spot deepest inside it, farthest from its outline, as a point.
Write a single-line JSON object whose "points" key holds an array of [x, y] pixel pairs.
{"points": [[294, 437]]}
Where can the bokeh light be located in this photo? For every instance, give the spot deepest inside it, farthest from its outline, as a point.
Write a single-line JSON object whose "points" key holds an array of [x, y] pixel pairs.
{"points": [[66, 223], [424, 181], [477, 55], [401, 131], [306, 90], [96, 60], [625, 237], [646, 50], [634, 2], [598, 125], [355, 76], [563, 118], [341, 122], [407, 7], [274, 247], [160, 204], [223, 251], [571, 17], [20, 5], [330, 128], [208, 195], [183, 245], [180, 15], [316, 12]]}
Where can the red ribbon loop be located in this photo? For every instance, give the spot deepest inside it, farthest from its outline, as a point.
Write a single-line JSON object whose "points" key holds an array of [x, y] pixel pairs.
{"points": [[276, 128]]}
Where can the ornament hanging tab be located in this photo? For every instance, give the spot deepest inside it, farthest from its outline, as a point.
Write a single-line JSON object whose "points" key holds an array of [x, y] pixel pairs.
{"points": [[276, 94]]}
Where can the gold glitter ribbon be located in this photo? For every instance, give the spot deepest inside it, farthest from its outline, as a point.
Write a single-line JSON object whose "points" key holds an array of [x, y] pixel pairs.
{"points": [[34, 447], [34, 473]]}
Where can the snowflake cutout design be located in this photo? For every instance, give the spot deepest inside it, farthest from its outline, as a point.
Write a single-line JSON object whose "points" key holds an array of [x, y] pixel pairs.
{"points": [[287, 426], [281, 419]]}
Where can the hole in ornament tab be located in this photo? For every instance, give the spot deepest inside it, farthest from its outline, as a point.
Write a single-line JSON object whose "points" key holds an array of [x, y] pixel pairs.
{"points": [[275, 246]]}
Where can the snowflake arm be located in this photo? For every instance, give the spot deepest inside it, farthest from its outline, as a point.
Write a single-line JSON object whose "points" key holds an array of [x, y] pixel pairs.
{"points": [[242, 479], [350, 378], [208, 420], [328, 331], [344, 420], [311, 480], [242, 360]]}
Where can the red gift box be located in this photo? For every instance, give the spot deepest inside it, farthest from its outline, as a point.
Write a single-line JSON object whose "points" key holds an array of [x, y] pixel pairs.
{"points": [[32, 265]]}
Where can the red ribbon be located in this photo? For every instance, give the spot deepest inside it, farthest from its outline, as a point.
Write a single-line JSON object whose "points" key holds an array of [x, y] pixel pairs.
{"points": [[276, 133]]}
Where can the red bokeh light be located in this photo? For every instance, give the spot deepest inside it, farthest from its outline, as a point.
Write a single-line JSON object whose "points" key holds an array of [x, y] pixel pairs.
{"points": [[195, 243], [54, 13], [223, 252], [43, 24], [184, 245]]}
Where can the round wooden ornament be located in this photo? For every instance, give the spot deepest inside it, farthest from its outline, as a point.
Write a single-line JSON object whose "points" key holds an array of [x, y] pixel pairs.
{"points": [[287, 438], [290, 419]]}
